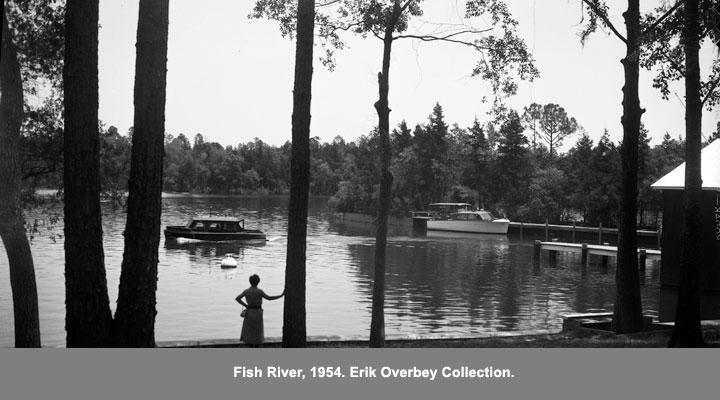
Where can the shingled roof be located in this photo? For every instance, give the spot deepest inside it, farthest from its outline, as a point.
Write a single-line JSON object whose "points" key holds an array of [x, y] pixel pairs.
{"points": [[710, 171]]}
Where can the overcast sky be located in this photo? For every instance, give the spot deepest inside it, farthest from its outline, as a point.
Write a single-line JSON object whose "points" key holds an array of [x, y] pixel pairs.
{"points": [[230, 77]]}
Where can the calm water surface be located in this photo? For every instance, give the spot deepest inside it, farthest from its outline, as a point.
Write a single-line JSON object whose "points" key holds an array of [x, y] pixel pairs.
{"points": [[449, 285]]}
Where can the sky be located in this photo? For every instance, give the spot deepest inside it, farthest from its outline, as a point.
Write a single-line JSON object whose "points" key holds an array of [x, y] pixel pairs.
{"points": [[230, 78]]}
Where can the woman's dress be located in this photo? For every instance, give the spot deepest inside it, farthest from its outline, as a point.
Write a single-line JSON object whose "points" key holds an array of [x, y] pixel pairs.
{"points": [[253, 329]]}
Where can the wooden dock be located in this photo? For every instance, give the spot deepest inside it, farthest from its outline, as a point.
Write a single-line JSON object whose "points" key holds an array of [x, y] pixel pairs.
{"points": [[596, 249], [604, 250], [573, 231]]}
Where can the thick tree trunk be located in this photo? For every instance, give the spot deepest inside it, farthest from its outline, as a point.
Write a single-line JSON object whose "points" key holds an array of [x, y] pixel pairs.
{"points": [[88, 317], [688, 331], [294, 327], [134, 324], [12, 223], [377, 322], [628, 307]]}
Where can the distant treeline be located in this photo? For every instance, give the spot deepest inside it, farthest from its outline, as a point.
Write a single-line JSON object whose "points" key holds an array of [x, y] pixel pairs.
{"points": [[504, 165]]}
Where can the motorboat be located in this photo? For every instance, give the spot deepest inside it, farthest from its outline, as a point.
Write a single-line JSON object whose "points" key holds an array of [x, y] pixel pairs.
{"points": [[462, 217], [214, 229]]}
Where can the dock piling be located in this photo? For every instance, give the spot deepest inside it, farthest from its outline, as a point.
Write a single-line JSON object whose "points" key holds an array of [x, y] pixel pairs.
{"points": [[641, 264], [600, 234], [538, 248], [546, 230], [584, 255]]}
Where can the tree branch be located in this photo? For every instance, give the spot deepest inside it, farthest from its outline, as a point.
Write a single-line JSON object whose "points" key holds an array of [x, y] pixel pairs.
{"points": [[428, 38], [709, 93], [329, 3], [605, 19], [674, 64], [405, 6], [334, 28], [447, 38], [664, 16]]}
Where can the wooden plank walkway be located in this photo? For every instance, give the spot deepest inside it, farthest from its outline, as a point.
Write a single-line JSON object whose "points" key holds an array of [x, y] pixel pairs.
{"points": [[578, 229], [601, 250]]}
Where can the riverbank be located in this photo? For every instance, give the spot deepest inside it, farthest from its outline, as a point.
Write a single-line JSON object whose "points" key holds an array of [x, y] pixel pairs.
{"points": [[523, 340]]}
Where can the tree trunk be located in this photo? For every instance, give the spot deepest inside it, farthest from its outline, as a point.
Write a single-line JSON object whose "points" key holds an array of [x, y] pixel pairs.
{"points": [[294, 328], [88, 317], [134, 324], [12, 223], [688, 331], [377, 322], [628, 307]]}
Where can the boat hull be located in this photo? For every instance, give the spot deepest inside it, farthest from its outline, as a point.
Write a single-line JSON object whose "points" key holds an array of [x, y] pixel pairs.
{"points": [[172, 232], [499, 227]]}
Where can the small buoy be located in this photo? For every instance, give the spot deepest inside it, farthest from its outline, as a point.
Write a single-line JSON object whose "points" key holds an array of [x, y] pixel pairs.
{"points": [[228, 262]]}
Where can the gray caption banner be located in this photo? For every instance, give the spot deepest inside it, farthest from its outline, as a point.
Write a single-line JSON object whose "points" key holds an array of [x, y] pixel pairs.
{"points": [[233, 374]]}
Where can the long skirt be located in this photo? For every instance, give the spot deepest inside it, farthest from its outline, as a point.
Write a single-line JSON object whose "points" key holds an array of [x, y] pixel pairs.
{"points": [[253, 329]]}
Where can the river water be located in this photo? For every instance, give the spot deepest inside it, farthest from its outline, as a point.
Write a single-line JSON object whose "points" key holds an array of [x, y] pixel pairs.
{"points": [[436, 285]]}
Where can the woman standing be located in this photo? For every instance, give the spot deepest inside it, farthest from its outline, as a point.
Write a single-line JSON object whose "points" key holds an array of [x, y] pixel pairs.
{"points": [[253, 330]]}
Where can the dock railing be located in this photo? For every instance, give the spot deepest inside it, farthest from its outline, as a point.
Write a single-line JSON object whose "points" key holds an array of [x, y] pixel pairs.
{"points": [[574, 229]]}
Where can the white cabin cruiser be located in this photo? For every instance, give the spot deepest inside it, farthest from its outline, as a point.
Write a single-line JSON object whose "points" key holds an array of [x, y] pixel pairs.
{"points": [[461, 217]]}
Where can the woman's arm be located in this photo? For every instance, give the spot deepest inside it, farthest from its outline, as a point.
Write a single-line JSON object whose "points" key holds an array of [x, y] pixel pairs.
{"points": [[265, 296], [239, 299]]}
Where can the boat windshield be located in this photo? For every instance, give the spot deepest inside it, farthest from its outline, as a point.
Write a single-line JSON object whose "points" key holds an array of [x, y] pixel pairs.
{"points": [[485, 216], [447, 210]]}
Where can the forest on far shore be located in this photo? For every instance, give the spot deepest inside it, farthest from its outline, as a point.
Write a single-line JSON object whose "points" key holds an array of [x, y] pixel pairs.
{"points": [[511, 165]]}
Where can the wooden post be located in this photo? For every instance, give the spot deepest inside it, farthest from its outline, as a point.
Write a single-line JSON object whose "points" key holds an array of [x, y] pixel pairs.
{"points": [[641, 264], [552, 257], [659, 237], [600, 234], [573, 239], [538, 247], [546, 230], [584, 254], [521, 231]]}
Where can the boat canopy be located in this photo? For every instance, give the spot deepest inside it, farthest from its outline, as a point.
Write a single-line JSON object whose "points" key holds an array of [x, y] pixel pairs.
{"points": [[212, 218]]}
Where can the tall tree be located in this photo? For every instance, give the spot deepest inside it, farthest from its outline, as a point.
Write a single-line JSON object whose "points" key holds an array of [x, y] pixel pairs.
{"points": [[134, 323], [627, 316], [675, 54], [531, 118], [555, 125], [12, 223], [511, 169], [579, 173], [431, 147], [88, 316], [294, 324], [687, 331]]}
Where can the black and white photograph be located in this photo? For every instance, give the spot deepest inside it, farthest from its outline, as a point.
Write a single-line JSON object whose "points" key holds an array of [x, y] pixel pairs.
{"points": [[360, 174]]}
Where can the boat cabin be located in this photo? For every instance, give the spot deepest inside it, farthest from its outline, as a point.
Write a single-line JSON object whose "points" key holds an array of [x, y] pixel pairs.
{"points": [[447, 210], [216, 224], [214, 229], [481, 215]]}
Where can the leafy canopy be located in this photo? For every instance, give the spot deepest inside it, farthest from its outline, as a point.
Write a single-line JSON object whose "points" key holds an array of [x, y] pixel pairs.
{"points": [[502, 54]]}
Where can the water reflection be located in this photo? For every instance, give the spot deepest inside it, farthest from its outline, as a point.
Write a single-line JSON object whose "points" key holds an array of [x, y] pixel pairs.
{"points": [[438, 283], [212, 249]]}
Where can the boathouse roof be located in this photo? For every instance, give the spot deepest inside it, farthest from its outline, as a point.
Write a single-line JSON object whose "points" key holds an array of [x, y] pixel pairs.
{"points": [[709, 170]]}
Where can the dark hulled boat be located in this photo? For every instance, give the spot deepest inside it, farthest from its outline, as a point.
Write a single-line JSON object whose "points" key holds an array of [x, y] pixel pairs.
{"points": [[214, 229]]}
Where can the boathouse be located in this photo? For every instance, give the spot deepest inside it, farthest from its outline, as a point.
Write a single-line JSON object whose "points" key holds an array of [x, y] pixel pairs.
{"points": [[672, 186]]}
